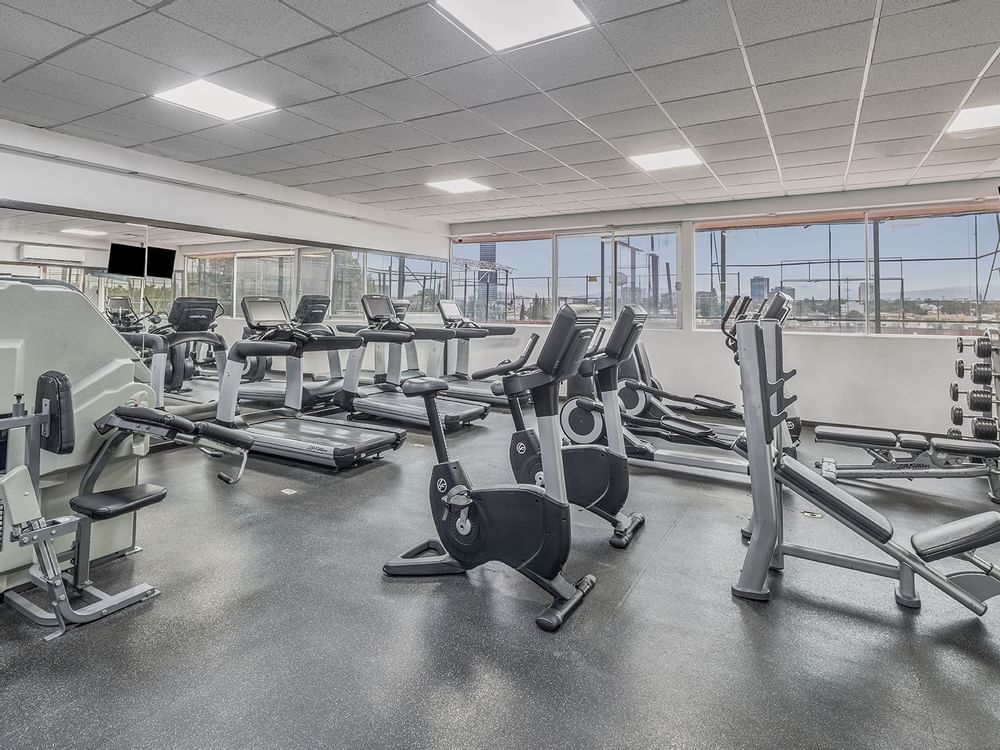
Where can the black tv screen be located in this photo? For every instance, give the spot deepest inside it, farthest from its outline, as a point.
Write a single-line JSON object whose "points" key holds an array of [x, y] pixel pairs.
{"points": [[160, 262], [126, 260]]}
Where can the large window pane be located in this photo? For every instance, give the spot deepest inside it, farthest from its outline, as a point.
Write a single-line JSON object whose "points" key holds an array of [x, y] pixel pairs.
{"points": [[211, 276], [647, 268], [265, 276], [423, 283], [315, 272], [348, 283], [504, 281], [585, 270], [821, 266]]}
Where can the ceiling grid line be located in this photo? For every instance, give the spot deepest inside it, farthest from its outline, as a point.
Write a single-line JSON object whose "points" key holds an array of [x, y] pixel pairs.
{"points": [[876, 19]]}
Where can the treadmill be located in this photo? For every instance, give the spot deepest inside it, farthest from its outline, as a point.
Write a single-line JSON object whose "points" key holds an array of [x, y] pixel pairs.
{"points": [[479, 385], [386, 400], [287, 433]]}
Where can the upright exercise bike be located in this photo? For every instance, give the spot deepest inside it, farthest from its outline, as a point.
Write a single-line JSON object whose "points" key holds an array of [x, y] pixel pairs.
{"points": [[596, 475], [523, 526]]}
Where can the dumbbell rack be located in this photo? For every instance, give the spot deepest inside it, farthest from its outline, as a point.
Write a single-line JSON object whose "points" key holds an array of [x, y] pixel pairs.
{"points": [[981, 396]]}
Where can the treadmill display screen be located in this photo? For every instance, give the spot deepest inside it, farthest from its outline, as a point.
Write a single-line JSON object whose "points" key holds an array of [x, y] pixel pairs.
{"points": [[264, 312], [450, 311], [378, 307]]}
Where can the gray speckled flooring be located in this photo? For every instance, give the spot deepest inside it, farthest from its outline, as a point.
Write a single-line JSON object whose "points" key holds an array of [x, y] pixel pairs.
{"points": [[276, 628]]}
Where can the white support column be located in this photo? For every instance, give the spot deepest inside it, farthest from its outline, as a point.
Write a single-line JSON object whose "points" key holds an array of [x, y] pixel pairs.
{"points": [[686, 308]]}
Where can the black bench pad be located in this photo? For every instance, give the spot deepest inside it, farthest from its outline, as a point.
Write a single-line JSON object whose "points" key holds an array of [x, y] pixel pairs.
{"points": [[828, 496], [975, 448], [113, 503], [959, 536], [881, 438], [913, 442]]}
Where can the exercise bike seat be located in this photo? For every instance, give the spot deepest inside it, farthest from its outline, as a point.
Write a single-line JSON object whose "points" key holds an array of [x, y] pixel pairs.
{"points": [[423, 386]]}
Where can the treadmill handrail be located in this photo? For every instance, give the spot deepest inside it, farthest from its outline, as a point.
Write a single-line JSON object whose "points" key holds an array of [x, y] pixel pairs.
{"points": [[379, 336], [177, 338], [433, 334], [241, 350]]}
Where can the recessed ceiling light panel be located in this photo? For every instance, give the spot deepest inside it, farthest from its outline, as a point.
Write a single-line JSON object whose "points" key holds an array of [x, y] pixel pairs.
{"points": [[975, 118], [458, 186], [214, 100], [503, 24], [84, 232], [681, 157]]}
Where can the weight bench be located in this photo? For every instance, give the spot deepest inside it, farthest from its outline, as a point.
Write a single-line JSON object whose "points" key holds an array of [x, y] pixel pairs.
{"points": [[32, 529], [907, 455]]}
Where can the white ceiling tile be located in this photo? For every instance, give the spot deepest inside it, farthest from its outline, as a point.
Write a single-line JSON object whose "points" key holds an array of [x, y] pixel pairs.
{"points": [[172, 43], [65, 84], [816, 117], [190, 148], [545, 64], [526, 161], [474, 168], [832, 155], [696, 27], [85, 16], [708, 74], [810, 140], [126, 127], [744, 192], [626, 180], [936, 29], [423, 175], [436, 42], [299, 155], [558, 134], [713, 107], [81, 131], [48, 108], [805, 92], [602, 96], [389, 162], [881, 164], [341, 113], [637, 190], [395, 136], [341, 15], [648, 143], [259, 26], [237, 136], [11, 63], [740, 166], [115, 65], [906, 127], [350, 168], [30, 36], [968, 169], [738, 150], [817, 184], [288, 127], [389, 180], [523, 112], [928, 70], [879, 179], [494, 145], [583, 153], [505, 181], [840, 48], [336, 187], [929, 100], [455, 126], [764, 21], [629, 122], [918, 145], [269, 83], [337, 64], [890, 7], [990, 137], [166, 115], [344, 146], [441, 153], [247, 164], [671, 177], [479, 82], [962, 155], [529, 191], [608, 168], [792, 174], [727, 131], [579, 188], [987, 92], [404, 100]]}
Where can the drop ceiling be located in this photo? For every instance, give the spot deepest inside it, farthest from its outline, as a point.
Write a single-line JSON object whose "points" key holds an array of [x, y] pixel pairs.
{"points": [[380, 97]]}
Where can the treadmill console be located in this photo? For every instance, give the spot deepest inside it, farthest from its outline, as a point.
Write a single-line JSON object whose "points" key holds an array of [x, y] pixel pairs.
{"points": [[378, 309], [262, 313], [312, 308], [190, 314], [451, 313]]}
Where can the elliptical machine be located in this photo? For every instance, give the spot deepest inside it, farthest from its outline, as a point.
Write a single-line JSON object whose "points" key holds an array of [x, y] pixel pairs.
{"points": [[596, 475], [523, 526]]}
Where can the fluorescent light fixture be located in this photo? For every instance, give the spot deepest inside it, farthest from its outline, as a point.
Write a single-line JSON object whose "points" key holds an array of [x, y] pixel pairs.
{"points": [[682, 157], [84, 232], [975, 118], [217, 101], [458, 186], [503, 24]]}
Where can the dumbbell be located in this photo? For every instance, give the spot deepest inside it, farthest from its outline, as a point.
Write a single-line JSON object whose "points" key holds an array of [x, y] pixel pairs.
{"points": [[983, 428], [958, 417], [954, 433], [981, 345], [981, 400], [981, 373]]}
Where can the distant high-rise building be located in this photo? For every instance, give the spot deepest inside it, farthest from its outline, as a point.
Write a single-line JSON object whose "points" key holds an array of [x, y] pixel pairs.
{"points": [[760, 287]]}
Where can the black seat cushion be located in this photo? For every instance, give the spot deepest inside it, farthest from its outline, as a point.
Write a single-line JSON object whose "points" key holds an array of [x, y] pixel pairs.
{"points": [[959, 536], [975, 448], [913, 442], [423, 386], [113, 503], [828, 496], [855, 436]]}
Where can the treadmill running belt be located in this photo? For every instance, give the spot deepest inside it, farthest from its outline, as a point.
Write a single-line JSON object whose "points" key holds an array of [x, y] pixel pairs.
{"points": [[320, 441]]}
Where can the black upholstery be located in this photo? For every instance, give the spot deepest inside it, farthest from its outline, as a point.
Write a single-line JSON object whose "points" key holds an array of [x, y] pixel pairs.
{"points": [[913, 442], [55, 387], [144, 415], [975, 448], [113, 503], [881, 438], [828, 496], [227, 435], [959, 536], [422, 386]]}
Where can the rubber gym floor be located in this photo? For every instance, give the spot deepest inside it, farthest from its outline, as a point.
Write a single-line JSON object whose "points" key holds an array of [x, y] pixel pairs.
{"points": [[276, 627]]}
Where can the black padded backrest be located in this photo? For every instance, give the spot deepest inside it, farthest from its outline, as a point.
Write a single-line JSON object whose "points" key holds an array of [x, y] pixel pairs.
{"points": [[54, 388], [569, 335], [625, 334], [312, 308], [378, 308], [193, 313]]}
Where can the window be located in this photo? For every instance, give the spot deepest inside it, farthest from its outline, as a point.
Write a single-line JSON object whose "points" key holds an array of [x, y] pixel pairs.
{"points": [[585, 270], [821, 266], [211, 276], [161, 292], [646, 275], [315, 272], [348, 283], [265, 276], [504, 281]]}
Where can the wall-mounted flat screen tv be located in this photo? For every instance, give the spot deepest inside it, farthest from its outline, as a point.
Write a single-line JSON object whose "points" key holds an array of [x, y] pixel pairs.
{"points": [[126, 260], [160, 262]]}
